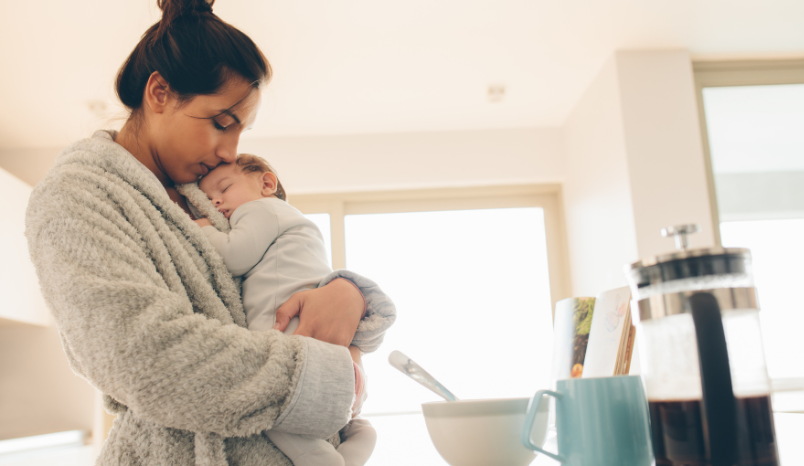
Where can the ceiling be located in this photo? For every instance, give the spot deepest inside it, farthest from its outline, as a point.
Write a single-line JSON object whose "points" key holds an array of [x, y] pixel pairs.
{"points": [[368, 66]]}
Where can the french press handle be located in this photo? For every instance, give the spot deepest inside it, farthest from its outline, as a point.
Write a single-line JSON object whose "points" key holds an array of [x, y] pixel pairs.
{"points": [[719, 414]]}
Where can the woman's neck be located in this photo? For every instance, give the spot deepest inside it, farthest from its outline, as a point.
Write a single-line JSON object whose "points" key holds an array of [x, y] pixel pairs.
{"points": [[129, 138]]}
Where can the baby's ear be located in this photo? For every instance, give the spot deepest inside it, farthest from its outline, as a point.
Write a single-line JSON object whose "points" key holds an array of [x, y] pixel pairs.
{"points": [[268, 184]]}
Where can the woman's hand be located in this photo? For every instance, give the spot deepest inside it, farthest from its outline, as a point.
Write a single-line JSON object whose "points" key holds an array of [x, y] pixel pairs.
{"points": [[330, 313]]}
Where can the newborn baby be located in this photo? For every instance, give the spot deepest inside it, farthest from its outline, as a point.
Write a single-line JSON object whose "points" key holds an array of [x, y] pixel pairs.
{"points": [[278, 252]]}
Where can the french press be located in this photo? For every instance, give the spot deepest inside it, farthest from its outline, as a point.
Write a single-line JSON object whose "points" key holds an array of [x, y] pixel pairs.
{"points": [[701, 356]]}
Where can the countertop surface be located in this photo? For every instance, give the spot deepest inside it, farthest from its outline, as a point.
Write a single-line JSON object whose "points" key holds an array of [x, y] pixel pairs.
{"points": [[403, 441]]}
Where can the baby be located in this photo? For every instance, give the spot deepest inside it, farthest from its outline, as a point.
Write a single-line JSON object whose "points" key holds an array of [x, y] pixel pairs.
{"points": [[278, 252]]}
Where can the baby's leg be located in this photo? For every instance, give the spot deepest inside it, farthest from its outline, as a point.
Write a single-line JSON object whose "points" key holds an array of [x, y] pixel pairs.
{"points": [[358, 439], [306, 451]]}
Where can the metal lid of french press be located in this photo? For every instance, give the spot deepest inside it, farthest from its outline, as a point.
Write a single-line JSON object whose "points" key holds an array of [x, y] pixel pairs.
{"points": [[688, 263], [662, 285]]}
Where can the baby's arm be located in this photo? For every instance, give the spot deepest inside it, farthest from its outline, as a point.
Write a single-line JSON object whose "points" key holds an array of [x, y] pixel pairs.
{"points": [[254, 228]]}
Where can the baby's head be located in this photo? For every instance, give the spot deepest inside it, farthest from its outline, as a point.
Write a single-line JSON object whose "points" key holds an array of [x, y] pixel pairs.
{"points": [[231, 185]]}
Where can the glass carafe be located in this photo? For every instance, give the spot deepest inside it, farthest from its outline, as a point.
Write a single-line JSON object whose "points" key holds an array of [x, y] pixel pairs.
{"points": [[701, 357]]}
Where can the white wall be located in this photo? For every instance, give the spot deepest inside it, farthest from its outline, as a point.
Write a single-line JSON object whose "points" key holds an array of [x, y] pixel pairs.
{"points": [[28, 164], [414, 160], [664, 146], [597, 195], [635, 164]]}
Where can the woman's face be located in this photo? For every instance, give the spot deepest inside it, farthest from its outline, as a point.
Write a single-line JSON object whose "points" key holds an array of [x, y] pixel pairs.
{"points": [[193, 137]]}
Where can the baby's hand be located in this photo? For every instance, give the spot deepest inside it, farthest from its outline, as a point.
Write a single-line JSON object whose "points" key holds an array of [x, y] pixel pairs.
{"points": [[203, 222]]}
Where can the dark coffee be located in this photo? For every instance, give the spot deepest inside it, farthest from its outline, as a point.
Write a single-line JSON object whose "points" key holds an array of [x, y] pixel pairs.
{"points": [[678, 434]]}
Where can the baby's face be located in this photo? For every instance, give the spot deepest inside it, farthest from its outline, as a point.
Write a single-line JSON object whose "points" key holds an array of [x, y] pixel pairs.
{"points": [[228, 187]]}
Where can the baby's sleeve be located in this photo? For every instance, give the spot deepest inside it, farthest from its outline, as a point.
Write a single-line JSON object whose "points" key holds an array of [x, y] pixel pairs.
{"points": [[255, 227]]}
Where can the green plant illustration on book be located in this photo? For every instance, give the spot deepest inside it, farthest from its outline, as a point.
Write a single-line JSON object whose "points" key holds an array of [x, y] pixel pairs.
{"points": [[582, 318], [573, 322]]}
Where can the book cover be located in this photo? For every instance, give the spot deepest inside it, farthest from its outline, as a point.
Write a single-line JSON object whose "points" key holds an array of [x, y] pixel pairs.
{"points": [[572, 323]]}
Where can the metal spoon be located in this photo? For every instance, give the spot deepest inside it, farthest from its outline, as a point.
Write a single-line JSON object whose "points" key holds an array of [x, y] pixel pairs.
{"points": [[409, 367]]}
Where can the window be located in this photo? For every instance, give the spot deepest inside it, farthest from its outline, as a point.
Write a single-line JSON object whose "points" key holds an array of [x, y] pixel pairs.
{"points": [[753, 115], [474, 278]]}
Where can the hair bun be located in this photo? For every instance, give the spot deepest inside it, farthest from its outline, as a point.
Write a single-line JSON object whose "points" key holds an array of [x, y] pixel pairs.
{"points": [[184, 6], [203, 6], [173, 9]]}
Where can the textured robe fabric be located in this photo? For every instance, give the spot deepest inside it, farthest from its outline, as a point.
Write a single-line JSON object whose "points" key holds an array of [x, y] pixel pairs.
{"points": [[149, 315]]}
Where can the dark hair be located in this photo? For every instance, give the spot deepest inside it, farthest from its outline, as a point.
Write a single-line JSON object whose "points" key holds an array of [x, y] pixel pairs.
{"points": [[252, 164], [194, 50]]}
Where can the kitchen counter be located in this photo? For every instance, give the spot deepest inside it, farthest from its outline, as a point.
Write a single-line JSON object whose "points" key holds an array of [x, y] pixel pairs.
{"points": [[403, 441]]}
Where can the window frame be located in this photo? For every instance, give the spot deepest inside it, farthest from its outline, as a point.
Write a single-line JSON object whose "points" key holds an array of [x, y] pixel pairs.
{"points": [[546, 196], [735, 73]]}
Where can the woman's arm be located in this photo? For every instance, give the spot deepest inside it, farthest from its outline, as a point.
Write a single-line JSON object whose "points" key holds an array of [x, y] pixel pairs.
{"points": [[345, 309], [329, 313]]}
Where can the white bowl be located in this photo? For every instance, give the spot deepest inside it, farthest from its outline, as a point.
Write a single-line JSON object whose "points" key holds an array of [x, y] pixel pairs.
{"points": [[483, 432]]}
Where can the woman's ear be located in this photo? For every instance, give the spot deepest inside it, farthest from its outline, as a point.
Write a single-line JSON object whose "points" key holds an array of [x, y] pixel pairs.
{"points": [[268, 181], [156, 93]]}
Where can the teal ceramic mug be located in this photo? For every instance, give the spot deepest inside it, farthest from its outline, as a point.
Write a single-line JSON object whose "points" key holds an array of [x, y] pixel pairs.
{"points": [[600, 422]]}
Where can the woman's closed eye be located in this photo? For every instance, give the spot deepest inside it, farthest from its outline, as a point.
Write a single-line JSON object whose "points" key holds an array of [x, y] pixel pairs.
{"points": [[218, 126]]}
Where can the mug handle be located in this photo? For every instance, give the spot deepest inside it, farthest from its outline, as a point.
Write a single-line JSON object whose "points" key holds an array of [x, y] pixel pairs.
{"points": [[533, 408]]}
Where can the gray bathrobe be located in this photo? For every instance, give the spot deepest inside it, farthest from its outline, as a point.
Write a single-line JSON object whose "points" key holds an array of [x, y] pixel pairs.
{"points": [[148, 314]]}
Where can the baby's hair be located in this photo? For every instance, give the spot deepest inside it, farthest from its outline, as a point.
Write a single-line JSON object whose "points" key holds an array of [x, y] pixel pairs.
{"points": [[252, 164]]}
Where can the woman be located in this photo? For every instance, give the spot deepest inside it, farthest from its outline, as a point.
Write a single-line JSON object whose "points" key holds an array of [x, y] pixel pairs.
{"points": [[145, 307]]}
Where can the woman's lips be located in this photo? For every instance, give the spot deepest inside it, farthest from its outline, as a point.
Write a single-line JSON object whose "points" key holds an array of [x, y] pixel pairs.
{"points": [[204, 170]]}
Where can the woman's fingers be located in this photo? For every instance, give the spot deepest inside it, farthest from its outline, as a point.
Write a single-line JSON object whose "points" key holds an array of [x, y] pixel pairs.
{"points": [[287, 311], [330, 313]]}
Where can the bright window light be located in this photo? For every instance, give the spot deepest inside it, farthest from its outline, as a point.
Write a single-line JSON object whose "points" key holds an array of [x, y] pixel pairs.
{"points": [[777, 252], [473, 299], [58, 439], [473, 308]]}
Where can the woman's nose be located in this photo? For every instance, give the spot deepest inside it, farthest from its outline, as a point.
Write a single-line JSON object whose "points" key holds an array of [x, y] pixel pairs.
{"points": [[228, 156], [227, 151]]}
